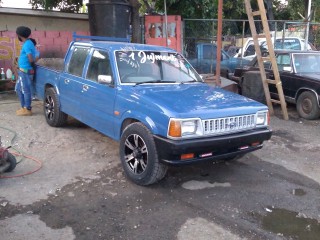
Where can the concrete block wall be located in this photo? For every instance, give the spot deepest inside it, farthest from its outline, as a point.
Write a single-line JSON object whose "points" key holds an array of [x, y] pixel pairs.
{"points": [[50, 44]]}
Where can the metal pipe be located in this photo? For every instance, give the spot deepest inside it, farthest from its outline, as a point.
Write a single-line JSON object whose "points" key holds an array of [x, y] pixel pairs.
{"points": [[308, 25], [219, 43], [166, 21]]}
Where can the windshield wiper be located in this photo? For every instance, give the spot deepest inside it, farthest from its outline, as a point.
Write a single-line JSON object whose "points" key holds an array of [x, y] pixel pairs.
{"points": [[191, 81], [155, 81]]}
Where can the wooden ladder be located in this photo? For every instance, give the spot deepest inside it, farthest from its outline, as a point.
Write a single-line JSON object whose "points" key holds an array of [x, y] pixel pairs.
{"points": [[265, 81]]}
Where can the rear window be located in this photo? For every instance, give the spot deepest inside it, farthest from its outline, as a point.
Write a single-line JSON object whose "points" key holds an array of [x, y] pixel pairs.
{"points": [[77, 61], [287, 44]]}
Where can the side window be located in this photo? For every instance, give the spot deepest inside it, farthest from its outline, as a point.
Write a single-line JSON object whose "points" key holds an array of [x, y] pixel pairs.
{"points": [[99, 65], [250, 50], [224, 56], [283, 60], [77, 61]]}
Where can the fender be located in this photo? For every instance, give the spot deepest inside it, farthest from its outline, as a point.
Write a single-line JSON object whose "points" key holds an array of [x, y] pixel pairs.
{"points": [[44, 78], [306, 89], [143, 118]]}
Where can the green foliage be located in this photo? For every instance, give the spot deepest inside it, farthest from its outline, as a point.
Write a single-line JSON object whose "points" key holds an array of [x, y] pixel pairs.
{"points": [[72, 6], [296, 9], [200, 9]]}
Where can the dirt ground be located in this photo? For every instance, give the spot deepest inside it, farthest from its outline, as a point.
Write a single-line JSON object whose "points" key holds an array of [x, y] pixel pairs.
{"points": [[80, 191]]}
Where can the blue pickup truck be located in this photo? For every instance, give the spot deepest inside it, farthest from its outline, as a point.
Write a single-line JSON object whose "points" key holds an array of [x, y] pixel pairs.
{"points": [[151, 100]]}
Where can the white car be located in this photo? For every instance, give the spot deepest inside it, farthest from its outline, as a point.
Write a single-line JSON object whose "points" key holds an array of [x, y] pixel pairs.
{"points": [[293, 43], [290, 43]]}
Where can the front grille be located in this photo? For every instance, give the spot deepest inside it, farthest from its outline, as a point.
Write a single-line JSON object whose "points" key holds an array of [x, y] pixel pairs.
{"points": [[228, 124]]}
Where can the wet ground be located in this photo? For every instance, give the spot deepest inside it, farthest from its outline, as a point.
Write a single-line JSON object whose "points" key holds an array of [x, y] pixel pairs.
{"points": [[81, 193]]}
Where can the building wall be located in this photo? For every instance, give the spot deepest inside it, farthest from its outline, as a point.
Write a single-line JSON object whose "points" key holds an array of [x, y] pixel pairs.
{"points": [[10, 22], [52, 31]]}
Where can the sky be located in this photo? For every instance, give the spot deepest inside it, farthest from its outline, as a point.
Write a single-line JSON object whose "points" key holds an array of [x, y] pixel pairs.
{"points": [[19, 3], [16, 3]]}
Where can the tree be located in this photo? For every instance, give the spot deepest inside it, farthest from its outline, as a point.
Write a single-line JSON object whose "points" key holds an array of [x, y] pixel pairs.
{"points": [[135, 21], [72, 6]]}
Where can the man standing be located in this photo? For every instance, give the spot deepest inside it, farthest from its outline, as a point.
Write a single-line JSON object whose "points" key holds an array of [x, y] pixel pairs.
{"points": [[26, 64]]}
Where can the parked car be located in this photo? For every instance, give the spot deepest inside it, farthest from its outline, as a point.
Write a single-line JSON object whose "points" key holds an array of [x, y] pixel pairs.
{"points": [[151, 100], [294, 43], [248, 50], [205, 60], [300, 76]]}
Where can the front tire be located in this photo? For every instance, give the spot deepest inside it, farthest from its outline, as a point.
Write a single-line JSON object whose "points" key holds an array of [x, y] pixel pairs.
{"points": [[51, 107], [139, 155], [307, 106]]}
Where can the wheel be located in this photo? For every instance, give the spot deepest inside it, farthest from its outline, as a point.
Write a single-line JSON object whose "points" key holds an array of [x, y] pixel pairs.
{"points": [[13, 162], [51, 107], [307, 106], [139, 156]]}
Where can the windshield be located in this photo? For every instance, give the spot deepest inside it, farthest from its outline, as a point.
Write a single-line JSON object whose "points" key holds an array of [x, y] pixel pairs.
{"points": [[307, 62], [154, 67]]}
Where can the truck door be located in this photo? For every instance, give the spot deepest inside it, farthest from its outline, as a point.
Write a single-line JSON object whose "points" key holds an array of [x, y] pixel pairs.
{"points": [[97, 99], [71, 82]]}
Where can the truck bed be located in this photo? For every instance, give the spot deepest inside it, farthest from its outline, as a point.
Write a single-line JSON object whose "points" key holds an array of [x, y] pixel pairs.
{"points": [[47, 73], [53, 63]]}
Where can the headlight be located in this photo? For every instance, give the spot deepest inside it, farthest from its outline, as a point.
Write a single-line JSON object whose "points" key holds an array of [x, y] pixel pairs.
{"points": [[262, 118], [184, 128]]}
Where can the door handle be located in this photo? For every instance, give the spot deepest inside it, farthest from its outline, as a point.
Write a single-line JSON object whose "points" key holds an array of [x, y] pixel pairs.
{"points": [[66, 81], [85, 88]]}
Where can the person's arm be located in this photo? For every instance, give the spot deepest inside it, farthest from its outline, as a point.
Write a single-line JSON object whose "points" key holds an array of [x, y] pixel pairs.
{"points": [[31, 60]]}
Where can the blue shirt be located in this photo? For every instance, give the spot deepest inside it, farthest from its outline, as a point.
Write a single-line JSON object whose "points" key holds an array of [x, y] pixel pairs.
{"points": [[27, 48]]}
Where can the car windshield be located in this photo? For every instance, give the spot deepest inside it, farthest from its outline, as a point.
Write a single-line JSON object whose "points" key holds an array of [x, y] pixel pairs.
{"points": [[154, 67], [307, 62]]}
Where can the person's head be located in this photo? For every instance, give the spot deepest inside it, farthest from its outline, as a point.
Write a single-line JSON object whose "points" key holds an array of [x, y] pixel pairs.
{"points": [[23, 33]]}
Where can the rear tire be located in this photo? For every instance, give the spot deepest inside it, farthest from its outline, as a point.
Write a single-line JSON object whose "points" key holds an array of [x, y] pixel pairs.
{"points": [[139, 155], [307, 106], [51, 107]]}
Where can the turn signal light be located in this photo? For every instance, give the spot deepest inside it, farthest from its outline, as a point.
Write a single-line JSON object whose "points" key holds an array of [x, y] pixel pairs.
{"points": [[255, 144], [175, 129], [187, 156]]}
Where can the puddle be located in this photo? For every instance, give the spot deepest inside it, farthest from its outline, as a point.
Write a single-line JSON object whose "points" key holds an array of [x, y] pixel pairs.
{"points": [[298, 192], [291, 224], [198, 185]]}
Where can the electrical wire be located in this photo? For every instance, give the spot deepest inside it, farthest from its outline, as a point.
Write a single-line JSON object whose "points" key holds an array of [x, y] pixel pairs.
{"points": [[18, 153], [27, 173]]}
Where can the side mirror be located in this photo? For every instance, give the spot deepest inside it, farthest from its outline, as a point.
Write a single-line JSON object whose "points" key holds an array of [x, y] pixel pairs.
{"points": [[288, 69], [105, 79]]}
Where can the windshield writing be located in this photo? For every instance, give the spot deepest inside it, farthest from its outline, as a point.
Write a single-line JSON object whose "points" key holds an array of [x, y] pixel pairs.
{"points": [[154, 67]]}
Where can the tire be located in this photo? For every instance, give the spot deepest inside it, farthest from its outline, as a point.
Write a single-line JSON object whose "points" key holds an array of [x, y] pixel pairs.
{"points": [[13, 162], [307, 106], [139, 156], [51, 107]]}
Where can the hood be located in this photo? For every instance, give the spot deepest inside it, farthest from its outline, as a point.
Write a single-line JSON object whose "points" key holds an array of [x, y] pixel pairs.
{"points": [[193, 100], [314, 76]]}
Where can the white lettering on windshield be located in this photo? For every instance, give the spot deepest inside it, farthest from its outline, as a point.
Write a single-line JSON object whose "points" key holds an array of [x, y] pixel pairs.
{"points": [[153, 57]]}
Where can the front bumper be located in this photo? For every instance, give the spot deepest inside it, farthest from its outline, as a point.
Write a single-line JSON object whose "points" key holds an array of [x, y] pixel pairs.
{"points": [[210, 148]]}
